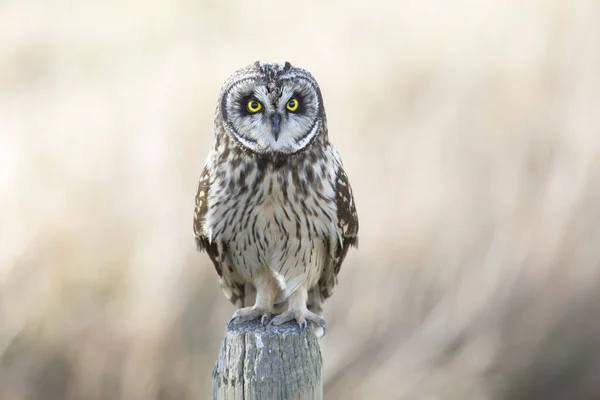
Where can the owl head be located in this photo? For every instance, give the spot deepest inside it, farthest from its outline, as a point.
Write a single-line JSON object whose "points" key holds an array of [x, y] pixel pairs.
{"points": [[271, 108]]}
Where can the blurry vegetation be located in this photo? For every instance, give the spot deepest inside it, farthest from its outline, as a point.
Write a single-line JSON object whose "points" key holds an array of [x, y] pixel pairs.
{"points": [[469, 130]]}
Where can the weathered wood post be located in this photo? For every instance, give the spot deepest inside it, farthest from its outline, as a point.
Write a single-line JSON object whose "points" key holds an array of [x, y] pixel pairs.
{"points": [[269, 363]]}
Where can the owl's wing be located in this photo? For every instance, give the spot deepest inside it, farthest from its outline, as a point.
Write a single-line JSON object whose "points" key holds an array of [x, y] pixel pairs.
{"points": [[231, 283], [202, 242], [347, 218], [347, 232]]}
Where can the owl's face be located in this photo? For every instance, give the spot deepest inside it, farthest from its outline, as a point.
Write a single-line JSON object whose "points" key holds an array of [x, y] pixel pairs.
{"points": [[272, 108]]}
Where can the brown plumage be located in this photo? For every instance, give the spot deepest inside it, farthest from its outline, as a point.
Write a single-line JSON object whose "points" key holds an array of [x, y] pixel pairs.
{"points": [[274, 207]]}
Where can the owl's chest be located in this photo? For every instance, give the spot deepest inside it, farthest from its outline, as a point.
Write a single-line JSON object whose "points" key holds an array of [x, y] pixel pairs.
{"points": [[280, 213], [273, 211]]}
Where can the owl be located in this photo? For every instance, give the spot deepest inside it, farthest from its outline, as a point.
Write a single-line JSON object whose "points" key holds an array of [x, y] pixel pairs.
{"points": [[274, 208]]}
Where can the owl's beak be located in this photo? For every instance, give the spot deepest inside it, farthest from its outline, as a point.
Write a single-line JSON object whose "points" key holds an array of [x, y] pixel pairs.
{"points": [[275, 118]]}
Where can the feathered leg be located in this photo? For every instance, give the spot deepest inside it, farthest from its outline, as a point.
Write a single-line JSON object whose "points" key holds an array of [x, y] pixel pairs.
{"points": [[297, 310], [266, 292]]}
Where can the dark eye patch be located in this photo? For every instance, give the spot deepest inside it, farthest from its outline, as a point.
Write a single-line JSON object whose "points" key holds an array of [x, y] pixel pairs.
{"points": [[300, 99], [242, 104]]}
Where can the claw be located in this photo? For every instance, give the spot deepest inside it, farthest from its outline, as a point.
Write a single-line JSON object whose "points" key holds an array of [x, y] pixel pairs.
{"points": [[250, 313], [302, 317], [264, 320]]}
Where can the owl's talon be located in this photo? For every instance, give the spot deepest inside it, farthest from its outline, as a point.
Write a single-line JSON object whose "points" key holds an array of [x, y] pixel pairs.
{"points": [[249, 314], [301, 316], [264, 320]]}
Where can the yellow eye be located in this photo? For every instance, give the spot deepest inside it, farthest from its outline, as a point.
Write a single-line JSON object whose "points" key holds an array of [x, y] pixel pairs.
{"points": [[292, 105], [254, 106]]}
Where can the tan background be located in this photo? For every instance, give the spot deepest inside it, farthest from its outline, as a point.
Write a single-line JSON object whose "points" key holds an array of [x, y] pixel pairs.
{"points": [[470, 132]]}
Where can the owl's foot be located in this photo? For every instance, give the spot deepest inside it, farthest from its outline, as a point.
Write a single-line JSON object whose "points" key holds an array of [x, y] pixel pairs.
{"points": [[251, 313], [301, 316]]}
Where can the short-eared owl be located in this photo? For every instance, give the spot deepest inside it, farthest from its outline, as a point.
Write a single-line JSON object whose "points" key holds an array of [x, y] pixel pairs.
{"points": [[274, 208]]}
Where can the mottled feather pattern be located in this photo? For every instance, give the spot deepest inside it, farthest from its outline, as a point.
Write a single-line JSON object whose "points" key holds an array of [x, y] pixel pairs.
{"points": [[200, 209], [234, 290], [347, 219], [288, 211]]}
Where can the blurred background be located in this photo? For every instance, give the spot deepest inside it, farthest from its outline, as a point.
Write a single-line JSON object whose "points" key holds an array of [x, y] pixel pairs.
{"points": [[470, 131]]}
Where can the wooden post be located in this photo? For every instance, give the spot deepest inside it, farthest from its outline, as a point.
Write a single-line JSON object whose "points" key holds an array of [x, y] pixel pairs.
{"points": [[257, 362]]}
